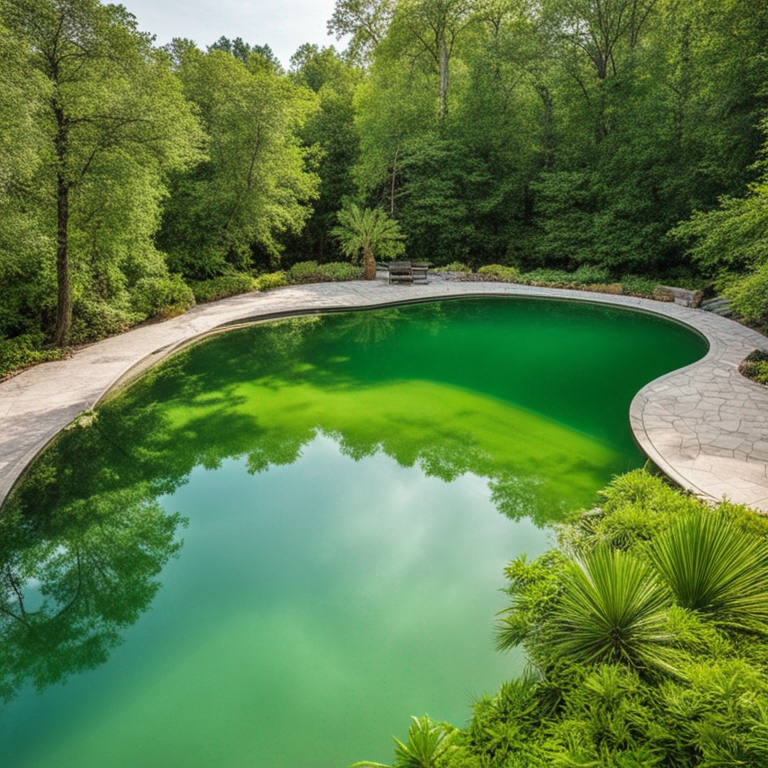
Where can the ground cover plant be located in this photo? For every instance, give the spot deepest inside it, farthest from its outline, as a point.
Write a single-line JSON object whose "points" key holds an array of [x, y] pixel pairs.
{"points": [[755, 367], [646, 629]]}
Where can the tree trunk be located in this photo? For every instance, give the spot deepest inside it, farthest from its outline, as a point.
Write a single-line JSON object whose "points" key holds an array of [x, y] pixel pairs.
{"points": [[547, 127], [392, 188], [369, 263], [64, 305], [443, 101]]}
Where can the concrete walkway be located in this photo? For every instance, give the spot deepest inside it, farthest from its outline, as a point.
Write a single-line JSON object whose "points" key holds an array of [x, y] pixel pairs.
{"points": [[705, 425]]}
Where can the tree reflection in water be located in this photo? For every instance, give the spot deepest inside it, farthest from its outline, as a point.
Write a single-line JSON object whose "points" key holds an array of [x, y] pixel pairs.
{"points": [[84, 539]]}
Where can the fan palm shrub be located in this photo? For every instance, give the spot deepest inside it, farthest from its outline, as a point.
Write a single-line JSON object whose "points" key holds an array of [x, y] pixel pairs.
{"points": [[427, 742], [369, 231], [613, 609], [715, 568]]}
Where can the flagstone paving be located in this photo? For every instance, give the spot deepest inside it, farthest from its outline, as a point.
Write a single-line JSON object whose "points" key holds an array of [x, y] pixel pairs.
{"points": [[705, 425]]}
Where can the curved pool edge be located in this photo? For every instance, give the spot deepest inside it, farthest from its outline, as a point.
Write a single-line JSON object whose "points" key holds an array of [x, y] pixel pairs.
{"points": [[704, 425]]}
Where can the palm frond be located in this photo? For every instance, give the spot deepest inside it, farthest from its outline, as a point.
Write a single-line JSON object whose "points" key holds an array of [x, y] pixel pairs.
{"points": [[714, 568], [614, 610]]}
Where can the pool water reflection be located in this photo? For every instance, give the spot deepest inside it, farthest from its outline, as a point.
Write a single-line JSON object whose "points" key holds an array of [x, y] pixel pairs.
{"points": [[282, 542]]}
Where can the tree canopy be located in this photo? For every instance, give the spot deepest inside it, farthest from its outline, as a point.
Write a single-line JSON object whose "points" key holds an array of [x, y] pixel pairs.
{"points": [[557, 134]]}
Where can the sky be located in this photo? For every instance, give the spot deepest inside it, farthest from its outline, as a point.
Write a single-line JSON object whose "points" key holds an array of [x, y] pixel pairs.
{"points": [[282, 24]]}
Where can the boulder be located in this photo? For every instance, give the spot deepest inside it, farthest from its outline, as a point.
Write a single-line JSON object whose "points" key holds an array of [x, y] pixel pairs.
{"points": [[680, 296]]}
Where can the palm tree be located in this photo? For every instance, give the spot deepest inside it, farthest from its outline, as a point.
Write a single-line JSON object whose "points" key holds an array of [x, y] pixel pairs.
{"points": [[370, 231]]}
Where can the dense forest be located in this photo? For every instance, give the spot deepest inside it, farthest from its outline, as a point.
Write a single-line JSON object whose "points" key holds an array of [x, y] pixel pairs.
{"points": [[620, 135]]}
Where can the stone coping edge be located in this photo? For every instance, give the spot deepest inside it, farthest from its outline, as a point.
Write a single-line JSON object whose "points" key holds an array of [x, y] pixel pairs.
{"points": [[638, 408]]}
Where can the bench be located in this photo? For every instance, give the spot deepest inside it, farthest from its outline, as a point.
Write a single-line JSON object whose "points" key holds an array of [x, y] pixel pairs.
{"points": [[400, 272], [407, 272]]}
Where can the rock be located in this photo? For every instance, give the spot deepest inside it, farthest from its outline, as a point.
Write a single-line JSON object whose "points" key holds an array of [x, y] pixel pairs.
{"points": [[680, 296], [719, 305]]}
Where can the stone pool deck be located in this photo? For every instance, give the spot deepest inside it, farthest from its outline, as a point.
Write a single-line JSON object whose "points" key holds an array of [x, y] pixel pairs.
{"points": [[706, 426]]}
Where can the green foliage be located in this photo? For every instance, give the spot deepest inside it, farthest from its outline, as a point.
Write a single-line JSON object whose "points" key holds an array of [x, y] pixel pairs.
{"points": [[714, 568], [94, 317], [434, 190], [246, 53], [271, 280], [749, 296], [428, 741], [636, 285], [603, 633], [340, 271], [553, 278], [534, 588], [731, 237], [304, 272], [504, 274], [333, 141], [454, 266], [755, 367], [613, 609], [110, 122], [255, 185], [588, 274], [312, 272], [162, 296], [503, 726], [720, 716], [222, 286], [370, 233], [22, 351]]}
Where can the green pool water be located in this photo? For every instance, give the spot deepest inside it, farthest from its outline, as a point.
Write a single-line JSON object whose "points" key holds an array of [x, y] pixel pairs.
{"points": [[280, 544]]}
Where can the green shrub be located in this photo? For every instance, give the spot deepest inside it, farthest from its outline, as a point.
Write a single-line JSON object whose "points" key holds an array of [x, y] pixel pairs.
{"points": [[749, 296], [638, 286], [549, 278], [341, 271], [613, 609], [557, 278], [271, 280], [94, 317], [755, 367], [646, 629], [161, 296], [588, 274], [22, 351], [221, 287], [305, 272], [454, 266], [500, 272], [312, 272], [714, 568]]}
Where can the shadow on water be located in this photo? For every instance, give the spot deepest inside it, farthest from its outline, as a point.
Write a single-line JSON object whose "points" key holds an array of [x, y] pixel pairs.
{"points": [[451, 388]]}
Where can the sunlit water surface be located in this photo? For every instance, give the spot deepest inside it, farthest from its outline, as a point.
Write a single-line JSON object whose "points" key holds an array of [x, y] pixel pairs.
{"points": [[284, 541]]}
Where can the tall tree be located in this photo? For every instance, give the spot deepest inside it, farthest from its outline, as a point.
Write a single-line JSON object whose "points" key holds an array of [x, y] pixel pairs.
{"points": [[429, 29], [255, 186], [330, 133], [111, 95], [24, 242], [365, 21], [243, 51]]}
